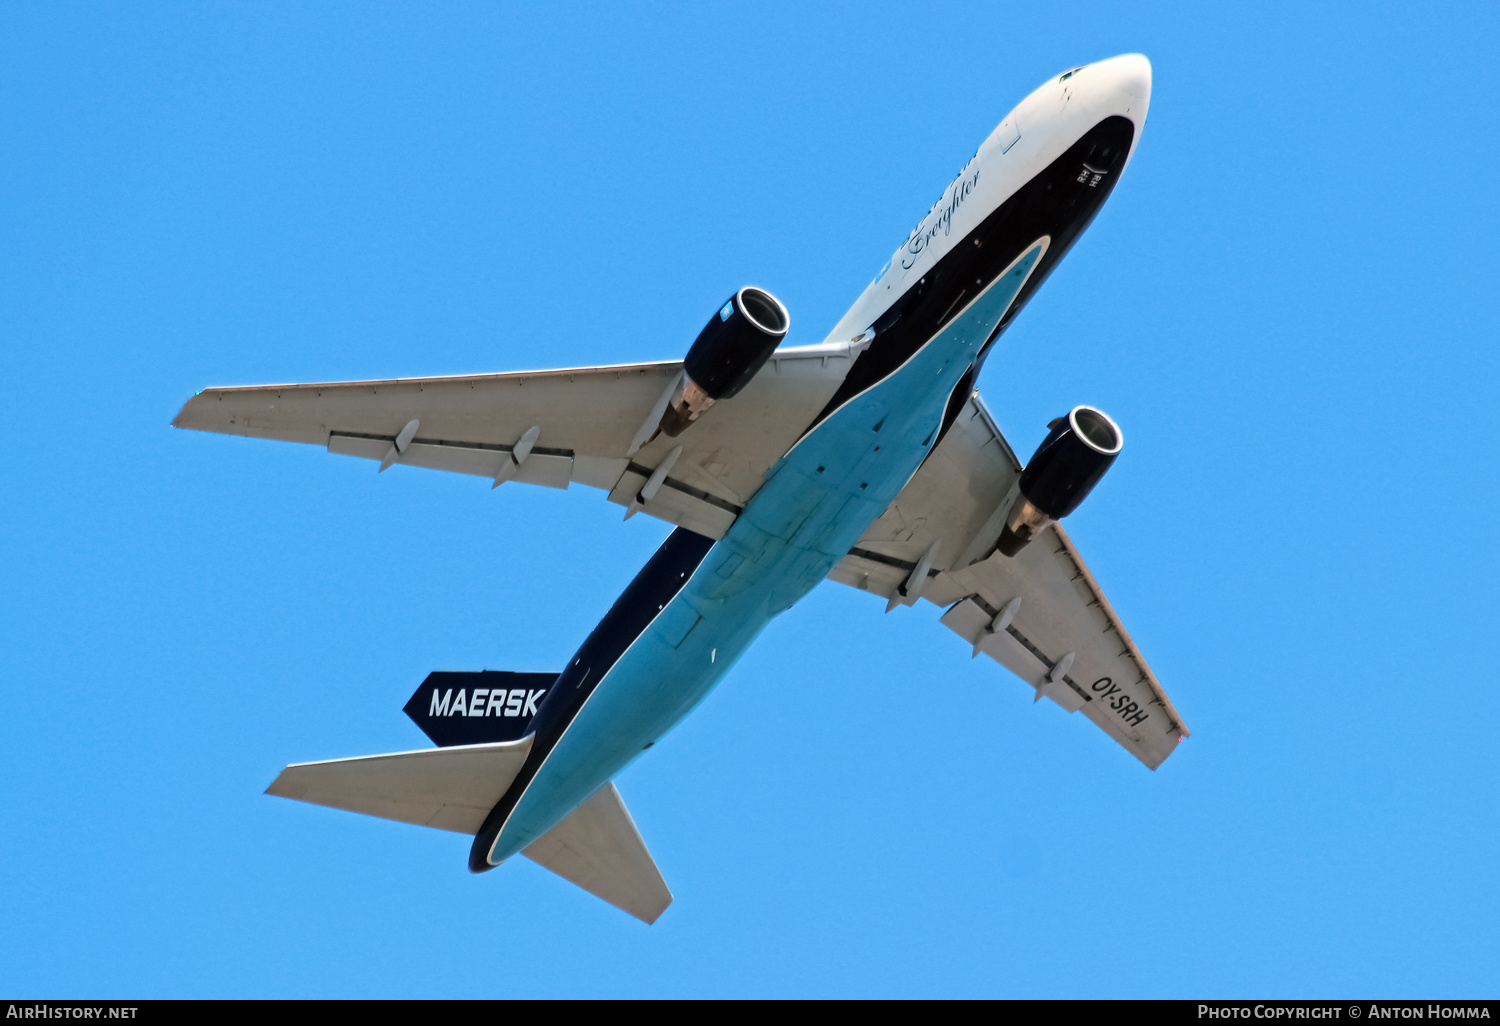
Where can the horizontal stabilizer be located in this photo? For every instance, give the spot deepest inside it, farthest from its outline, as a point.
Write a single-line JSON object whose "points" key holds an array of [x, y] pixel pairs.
{"points": [[448, 788], [599, 849], [477, 708]]}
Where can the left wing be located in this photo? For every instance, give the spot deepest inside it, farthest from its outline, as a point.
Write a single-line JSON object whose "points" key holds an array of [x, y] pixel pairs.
{"points": [[1040, 613], [590, 425]]}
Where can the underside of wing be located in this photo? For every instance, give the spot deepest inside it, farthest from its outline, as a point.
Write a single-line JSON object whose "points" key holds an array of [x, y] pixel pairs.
{"points": [[1063, 639], [591, 425], [1039, 613]]}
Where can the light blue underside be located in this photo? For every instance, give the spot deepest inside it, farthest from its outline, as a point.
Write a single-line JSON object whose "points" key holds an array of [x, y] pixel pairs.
{"points": [[815, 504]]}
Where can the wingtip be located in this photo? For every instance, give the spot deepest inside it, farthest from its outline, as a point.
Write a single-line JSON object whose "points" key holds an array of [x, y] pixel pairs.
{"points": [[177, 419], [651, 921]]}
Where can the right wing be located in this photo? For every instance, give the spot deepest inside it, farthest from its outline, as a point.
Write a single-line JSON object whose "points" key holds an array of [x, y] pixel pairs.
{"points": [[593, 426], [1040, 613]]}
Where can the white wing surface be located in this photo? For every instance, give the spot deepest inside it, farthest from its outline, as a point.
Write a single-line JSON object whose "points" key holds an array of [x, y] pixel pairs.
{"points": [[1040, 613], [588, 425], [598, 848], [448, 788]]}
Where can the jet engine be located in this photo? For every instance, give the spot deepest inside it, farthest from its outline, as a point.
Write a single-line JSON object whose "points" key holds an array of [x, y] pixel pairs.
{"points": [[736, 343], [1077, 451]]}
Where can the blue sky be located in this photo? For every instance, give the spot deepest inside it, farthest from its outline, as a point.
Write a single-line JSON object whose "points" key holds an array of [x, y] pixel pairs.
{"points": [[1288, 305]]}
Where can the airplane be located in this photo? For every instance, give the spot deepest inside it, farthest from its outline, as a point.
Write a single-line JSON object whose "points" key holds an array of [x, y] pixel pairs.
{"points": [[868, 459]]}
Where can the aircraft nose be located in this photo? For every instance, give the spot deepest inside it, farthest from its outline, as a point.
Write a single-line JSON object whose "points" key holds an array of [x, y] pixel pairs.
{"points": [[1131, 73]]}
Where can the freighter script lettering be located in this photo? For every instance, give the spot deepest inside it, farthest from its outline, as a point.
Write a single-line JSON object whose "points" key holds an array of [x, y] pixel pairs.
{"points": [[939, 219]]}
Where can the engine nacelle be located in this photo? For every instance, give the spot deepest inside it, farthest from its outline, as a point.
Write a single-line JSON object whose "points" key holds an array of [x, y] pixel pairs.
{"points": [[1077, 451], [736, 343]]}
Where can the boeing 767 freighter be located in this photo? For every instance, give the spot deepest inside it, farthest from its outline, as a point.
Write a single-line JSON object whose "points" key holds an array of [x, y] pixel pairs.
{"points": [[868, 459]]}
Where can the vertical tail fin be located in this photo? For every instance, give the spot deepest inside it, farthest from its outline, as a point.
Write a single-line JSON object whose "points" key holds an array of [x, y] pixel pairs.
{"points": [[475, 708]]}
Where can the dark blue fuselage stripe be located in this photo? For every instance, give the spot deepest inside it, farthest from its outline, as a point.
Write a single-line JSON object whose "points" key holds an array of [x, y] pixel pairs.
{"points": [[657, 584], [1051, 204]]}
